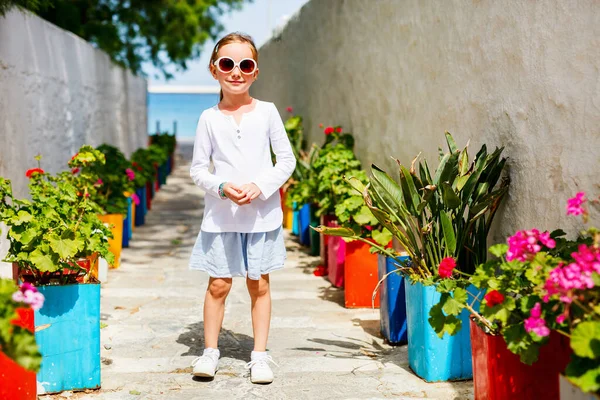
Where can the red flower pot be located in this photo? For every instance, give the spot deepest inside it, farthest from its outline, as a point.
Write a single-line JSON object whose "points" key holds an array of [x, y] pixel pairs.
{"points": [[17, 383], [360, 276], [149, 195], [498, 374], [326, 220]]}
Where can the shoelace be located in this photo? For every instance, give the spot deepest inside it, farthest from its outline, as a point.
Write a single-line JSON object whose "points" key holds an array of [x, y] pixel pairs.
{"points": [[261, 360], [204, 357]]}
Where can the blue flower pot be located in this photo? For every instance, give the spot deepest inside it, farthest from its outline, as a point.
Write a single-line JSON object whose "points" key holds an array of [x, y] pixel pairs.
{"points": [[127, 224], [141, 209], [295, 220], [393, 302], [304, 222], [432, 358], [68, 335]]}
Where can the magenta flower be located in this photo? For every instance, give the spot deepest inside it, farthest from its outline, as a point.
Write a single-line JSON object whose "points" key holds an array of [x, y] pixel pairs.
{"points": [[564, 279], [130, 174], [561, 318], [28, 294], [98, 182], [574, 204], [135, 199], [524, 245], [535, 323]]}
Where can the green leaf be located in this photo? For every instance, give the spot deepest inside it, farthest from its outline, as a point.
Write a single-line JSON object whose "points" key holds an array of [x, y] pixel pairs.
{"points": [[341, 232], [585, 373], [42, 261], [451, 143], [449, 236], [21, 218], [64, 247], [454, 304], [365, 216], [499, 250], [382, 237], [451, 200], [585, 339]]}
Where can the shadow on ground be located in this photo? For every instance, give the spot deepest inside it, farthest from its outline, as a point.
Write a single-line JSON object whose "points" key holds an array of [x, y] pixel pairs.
{"points": [[232, 345]]}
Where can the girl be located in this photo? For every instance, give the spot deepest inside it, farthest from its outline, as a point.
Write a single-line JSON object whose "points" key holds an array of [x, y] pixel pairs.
{"points": [[241, 232]]}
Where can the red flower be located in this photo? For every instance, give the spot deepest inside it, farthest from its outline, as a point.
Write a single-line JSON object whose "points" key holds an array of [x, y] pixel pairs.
{"points": [[76, 154], [338, 129], [74, 171], [493, 298], [289, 109], [328, 130], [446, 267], [32, 171], [320, 271], [321, 126]]}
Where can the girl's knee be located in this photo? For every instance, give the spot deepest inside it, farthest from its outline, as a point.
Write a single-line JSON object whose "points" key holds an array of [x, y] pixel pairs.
{"points": [[219, 287], [259, 288]]}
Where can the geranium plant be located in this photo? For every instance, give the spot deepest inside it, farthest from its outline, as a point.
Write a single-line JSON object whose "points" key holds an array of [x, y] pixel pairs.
{"points": [[58, 227], [17, 342], [115, 178]]}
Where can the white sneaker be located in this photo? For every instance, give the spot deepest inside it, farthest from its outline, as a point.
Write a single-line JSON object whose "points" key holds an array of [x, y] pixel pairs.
{"points": [[206, 365], [260, 372]]}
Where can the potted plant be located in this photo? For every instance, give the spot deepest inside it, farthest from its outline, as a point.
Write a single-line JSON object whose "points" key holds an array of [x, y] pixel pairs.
{"points": [[159, 156], [20, 358], [114, 180], [442, 221], [52, 237], [144, 173], [168, 143]]}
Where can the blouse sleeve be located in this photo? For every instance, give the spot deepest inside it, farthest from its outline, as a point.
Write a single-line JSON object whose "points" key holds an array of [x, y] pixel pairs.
{"points": [[272, 179], [199, 170]]}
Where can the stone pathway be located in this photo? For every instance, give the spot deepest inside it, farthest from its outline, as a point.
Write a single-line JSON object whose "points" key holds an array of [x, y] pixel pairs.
{"points": [[152, 325]]}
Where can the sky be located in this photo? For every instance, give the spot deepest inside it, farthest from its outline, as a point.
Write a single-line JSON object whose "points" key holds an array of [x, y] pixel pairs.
{"points": [[257, 18]]}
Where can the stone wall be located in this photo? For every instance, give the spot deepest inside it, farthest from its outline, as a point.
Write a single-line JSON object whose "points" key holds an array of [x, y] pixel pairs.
{"points": [[398, 73], [58, 92]]}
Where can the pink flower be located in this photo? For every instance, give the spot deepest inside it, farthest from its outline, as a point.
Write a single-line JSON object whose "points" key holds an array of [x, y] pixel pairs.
{"points": [[135, 199], [446, 267], [565, 279], [535, 323], [561, 318], [290, 109], [574, 204], [130, 174], [98, 182], [28, 294], [524, 245]]}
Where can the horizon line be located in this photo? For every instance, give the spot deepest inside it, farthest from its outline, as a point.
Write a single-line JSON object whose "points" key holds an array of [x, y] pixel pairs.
{"points": [[188, 89]]}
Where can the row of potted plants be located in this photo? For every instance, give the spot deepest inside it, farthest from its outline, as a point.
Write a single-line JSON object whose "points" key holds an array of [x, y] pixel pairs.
{"points": [[515, 321], [317, 193], [74, 224]]}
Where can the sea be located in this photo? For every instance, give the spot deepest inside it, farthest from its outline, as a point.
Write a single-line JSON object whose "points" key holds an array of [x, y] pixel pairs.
{"points": [[178, 112]]}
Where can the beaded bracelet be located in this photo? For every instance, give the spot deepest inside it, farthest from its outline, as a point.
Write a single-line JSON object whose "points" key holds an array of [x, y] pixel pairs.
{"points": [[222, 194]]}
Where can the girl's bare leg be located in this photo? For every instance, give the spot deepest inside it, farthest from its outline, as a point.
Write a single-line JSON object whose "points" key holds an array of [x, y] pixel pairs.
{"points": [[214, 310], [260, 295]]}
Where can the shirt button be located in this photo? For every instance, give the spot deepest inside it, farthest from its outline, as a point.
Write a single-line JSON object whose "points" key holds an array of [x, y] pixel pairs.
{"points": [[238, 131], [239, 137]]}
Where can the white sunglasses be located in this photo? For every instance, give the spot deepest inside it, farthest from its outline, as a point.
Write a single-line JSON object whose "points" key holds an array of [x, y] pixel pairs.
{"points": [[227, 64]]}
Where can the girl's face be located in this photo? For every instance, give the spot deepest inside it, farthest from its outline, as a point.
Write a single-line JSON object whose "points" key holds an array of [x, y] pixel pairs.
{"points": [[235, 81]]}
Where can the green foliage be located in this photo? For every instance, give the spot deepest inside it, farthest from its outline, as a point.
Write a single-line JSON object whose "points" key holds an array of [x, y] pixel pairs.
{"points": [[16, 342], [32, 5], [112, 180], [143, 167], [164, 140], [447, 214], [138, 31], [59, 225]]}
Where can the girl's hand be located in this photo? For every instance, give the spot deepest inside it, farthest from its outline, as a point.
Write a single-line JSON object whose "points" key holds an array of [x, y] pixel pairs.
{"points": [[250, 192], [233, 193]]}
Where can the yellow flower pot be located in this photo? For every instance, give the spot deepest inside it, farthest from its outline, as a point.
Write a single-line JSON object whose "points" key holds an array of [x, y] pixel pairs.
{"points": [[115, 222]]}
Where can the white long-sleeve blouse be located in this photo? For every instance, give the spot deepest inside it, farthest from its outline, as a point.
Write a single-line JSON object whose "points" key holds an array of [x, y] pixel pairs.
{"points": [[241, 154]]}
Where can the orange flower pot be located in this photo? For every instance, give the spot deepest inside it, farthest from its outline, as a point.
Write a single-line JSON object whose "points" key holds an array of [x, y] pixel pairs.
{"points": [[17, 383], [360, 276], [115, 221]]}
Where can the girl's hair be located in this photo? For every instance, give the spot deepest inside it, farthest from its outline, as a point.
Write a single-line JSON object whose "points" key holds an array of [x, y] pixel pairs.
{"points": [[234, 37]]}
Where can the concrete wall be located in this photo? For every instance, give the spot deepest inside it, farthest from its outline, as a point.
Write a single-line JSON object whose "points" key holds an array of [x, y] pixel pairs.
{"points": [[398, 73], [58, 92]]}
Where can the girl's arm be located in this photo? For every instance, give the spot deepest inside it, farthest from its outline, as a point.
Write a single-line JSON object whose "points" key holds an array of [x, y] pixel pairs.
{"points": [[199, 172], [274, 178]]}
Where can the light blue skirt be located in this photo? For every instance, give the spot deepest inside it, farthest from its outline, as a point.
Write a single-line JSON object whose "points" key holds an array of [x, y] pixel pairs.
{"points": [[229, 254]]}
